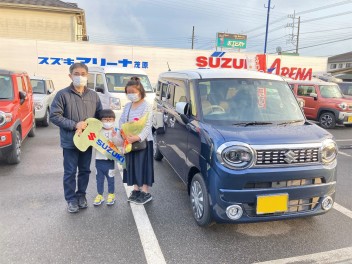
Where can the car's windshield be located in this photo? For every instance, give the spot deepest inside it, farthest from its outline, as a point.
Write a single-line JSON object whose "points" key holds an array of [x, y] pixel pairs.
{"points": [[117, 82], [38, 86], [6, 91], [330, 91], [248, 101], [346, 88]]}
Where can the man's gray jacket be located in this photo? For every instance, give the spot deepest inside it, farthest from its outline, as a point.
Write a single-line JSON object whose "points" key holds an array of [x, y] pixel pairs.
{"points": [[69, 107]]}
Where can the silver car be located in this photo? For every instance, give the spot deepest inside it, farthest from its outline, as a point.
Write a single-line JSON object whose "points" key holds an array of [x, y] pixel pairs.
{"points": [[43, 93]]}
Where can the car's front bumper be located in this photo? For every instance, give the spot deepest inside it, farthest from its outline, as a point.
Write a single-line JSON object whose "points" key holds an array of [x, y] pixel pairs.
{"points": [[304, 200], [40, 114], [345, 118], [5, 138]]}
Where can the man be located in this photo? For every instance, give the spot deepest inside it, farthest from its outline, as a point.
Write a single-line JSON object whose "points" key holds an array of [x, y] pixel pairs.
{"points": [[69, 110]]}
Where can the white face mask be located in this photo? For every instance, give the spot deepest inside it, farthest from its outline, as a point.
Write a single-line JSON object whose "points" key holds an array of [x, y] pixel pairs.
{"points": [[79, 81], [108, 125], [134, 97]]}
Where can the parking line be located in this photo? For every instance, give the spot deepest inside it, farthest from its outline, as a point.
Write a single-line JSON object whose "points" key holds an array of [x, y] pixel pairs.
{"points": [[343, 139], [343, 255], [152, 250], [343, 210], [345, 154]]}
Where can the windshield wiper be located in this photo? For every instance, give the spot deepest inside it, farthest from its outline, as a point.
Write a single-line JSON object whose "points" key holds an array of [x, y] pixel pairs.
{"points": [[255, 123], [290, 122]]}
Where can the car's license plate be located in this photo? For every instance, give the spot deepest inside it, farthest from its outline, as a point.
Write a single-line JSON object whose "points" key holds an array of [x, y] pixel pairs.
{"points": [[349, 119], [267, 204]]}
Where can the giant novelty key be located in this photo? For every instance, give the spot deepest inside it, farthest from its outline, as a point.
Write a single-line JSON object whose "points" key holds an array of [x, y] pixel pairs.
{"points": [[91, 136]]}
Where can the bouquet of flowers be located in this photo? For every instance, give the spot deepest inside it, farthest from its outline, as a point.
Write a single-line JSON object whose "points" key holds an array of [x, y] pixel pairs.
{"points": [[134, 128]]}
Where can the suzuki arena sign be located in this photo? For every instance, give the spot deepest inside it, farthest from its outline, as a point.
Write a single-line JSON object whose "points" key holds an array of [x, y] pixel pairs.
{"points": [[256, 62]]}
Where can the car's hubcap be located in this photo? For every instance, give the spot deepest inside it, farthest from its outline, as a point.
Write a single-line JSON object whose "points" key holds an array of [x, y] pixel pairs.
{"points": [[47, 117], [18, 145], [197, 199], [326, 120]]}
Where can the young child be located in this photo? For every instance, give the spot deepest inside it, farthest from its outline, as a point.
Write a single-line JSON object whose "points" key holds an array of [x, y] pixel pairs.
{"points": [[104, 166]]}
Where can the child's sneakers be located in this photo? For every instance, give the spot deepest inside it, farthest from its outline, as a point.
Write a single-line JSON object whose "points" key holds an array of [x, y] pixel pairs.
{"points": [[111, 199], [99, 199]]}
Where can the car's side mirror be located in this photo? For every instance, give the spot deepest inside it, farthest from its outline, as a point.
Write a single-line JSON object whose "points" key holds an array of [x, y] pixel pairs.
{"points": [[182, 109], [23, 96], [99, 89], [314, 95], [301, 103]]}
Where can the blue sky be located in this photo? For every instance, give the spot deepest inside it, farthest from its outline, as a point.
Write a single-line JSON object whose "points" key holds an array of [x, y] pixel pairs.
{"points": [[169, 24]]}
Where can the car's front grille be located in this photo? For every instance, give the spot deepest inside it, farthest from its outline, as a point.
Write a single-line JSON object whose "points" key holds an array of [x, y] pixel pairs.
{"points": [[294, 206], [283, 184], [271, 157]]}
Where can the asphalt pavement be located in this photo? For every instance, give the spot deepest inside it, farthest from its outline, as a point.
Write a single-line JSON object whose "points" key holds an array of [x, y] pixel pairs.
{"points": [[36, 228]]}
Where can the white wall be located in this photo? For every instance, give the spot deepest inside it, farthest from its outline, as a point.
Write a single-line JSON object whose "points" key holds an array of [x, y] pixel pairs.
{"points": [[23, 54]]}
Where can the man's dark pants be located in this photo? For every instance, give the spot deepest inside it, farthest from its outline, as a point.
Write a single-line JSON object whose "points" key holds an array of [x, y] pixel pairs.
{"points": [[74, 158]]}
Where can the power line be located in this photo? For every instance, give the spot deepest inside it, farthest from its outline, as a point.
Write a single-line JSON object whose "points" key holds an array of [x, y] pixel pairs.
{"points": [[310, 32], [324, 43], [334, 15], [303, 12]]}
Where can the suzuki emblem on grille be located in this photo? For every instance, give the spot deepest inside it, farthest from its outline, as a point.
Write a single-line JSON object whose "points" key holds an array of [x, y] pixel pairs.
{"points": [[290, 156]]}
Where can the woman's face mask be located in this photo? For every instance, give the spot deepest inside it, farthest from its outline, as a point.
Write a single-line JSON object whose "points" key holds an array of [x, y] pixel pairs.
{"points": [[133, 97], [79, 81], [108, 125]]}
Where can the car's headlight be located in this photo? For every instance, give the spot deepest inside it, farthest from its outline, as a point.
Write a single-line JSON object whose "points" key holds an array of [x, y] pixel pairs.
{"points": [[38, 105], [5, 118], [343, 106], [328, 151], [236, 155], [114, 103]]}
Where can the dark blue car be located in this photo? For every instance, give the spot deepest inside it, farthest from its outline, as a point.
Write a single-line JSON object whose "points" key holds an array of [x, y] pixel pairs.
{"points": [[240, 142]]}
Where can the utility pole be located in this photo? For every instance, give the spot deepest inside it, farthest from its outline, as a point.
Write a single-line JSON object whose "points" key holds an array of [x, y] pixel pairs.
{"points": [[193, 38], [267, 25], [294, 37], [299, 23]]}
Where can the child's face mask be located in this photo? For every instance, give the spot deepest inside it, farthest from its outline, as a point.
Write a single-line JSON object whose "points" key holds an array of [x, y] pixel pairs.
{"points": [[108, 125]]}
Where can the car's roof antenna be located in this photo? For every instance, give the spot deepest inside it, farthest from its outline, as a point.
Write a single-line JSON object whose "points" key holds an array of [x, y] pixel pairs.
{"points": [[168, 65]]}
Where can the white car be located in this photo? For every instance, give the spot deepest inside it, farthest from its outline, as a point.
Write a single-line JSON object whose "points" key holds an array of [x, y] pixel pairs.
{"points": [[110, 82], [43, 94]]}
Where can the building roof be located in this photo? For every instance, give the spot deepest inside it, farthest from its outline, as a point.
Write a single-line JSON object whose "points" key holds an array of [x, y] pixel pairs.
{"points": [[344, 57], [41, 3]]}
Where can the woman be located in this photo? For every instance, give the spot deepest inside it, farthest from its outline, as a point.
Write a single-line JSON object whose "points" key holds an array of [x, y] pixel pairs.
{"points": [[139, 170]]}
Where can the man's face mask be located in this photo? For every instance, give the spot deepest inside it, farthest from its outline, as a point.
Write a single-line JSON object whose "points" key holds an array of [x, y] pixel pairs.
{"points": [[79, 81]]}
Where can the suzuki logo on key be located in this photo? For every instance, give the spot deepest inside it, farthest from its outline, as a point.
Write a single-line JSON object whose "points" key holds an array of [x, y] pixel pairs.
{"points": [[91, 136], [290, 156]]}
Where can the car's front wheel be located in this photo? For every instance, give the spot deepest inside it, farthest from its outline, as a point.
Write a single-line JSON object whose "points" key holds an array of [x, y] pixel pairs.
{"points": [[31, 133], [200, 201], [14, 156], [46, 119], [327, 120], [157, 154]]}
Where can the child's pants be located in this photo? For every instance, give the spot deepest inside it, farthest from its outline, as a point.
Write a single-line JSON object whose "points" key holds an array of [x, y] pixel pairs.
{"points": [[105, 168]]}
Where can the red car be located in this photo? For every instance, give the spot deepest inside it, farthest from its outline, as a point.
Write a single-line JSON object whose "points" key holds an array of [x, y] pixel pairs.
{"points": [[324, 102], [17, 116]]}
